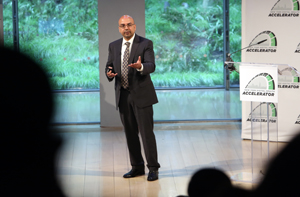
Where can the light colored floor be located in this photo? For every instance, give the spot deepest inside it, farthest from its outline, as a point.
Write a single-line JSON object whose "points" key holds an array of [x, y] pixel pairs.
{"points": [[93, 159]]}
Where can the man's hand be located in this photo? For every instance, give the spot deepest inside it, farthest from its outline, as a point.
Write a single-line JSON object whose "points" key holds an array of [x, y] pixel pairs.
{"points": [[110, 74], [136, 65]]}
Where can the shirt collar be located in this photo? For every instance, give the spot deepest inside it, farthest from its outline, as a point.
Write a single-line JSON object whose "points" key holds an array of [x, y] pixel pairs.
{"points": [[131, 40]]}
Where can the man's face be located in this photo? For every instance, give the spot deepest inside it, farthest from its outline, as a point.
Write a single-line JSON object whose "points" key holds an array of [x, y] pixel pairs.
{"points": [[127, 27]]}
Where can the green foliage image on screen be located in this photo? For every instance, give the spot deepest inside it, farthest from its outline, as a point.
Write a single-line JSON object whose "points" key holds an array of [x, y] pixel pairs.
{"points": [[62, 35]]}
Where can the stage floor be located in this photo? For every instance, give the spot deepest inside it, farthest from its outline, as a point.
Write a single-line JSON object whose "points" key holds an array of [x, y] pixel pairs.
{"points": [[93, 160]]}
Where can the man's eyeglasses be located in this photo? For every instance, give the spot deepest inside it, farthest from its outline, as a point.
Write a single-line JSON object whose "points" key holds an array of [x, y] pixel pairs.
{"points": [[128, 25]]}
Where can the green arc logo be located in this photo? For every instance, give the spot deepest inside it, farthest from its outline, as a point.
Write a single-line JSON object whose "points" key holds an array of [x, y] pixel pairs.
{"points": [[298, 120], [285, 8], [286, 5], [291, 72], [269, 45], [262, 81], [270, 36], [298, 49], [262, 112]]}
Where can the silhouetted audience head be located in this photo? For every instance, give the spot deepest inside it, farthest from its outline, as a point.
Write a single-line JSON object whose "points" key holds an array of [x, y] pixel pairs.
{"points": [[210, 182], [27, 147], [207, 181]]}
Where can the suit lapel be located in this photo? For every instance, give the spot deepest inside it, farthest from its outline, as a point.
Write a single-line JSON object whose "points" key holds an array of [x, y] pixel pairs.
{"points": [[118, 56], [135, 45]]}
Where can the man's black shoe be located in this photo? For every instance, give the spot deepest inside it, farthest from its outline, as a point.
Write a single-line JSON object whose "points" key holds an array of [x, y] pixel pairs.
{"points": [[153, 175], [133, 173]]}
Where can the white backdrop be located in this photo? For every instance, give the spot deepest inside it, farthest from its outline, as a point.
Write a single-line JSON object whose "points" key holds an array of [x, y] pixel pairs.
{"points": [[278, 21]]}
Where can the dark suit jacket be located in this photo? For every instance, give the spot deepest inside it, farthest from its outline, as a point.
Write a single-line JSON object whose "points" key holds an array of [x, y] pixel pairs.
{"points": [[140, 85]]}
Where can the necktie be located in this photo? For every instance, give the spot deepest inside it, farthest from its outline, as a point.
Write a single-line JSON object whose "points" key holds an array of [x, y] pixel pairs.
{"points": [[124, 72]]}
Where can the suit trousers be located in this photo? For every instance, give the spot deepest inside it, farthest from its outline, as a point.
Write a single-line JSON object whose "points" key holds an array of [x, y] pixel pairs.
{"points": [[138, 120]]}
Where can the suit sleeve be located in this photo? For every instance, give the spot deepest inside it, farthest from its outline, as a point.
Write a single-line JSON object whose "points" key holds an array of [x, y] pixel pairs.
{"points": [[109, 62], [149, 60]]}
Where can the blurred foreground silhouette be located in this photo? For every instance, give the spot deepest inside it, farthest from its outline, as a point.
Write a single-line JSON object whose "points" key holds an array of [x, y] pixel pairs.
{"points": [[28, 148]]}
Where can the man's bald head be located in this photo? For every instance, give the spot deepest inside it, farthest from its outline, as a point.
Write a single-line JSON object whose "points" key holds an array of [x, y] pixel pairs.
{"points": [[127, 27], [126, 17]]}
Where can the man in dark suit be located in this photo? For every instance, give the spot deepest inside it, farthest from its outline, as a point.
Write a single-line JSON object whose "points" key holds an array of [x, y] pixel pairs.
{"points": [[130, 62]]}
